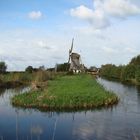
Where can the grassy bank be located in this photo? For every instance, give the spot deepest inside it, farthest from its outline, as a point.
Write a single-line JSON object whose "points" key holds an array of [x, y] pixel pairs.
{"points": [[16, 79], [67, 92]]}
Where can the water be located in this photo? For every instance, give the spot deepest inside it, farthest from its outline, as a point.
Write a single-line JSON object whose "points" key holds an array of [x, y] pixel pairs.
{"points": [[121, 122]]}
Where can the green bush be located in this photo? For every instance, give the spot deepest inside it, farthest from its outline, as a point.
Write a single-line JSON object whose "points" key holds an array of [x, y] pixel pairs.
{"points": [[3, 67], [128, 72], [62, 67], [111, 71], [135, 61], [138, 74], [29, 69]]}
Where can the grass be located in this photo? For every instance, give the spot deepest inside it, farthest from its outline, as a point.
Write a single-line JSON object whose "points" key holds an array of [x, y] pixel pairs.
{"points": [[67, 92], [16, 76], [12, 79]]}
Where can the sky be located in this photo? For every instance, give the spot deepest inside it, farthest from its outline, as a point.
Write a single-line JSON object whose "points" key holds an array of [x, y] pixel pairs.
{"points": [[39, 32]]}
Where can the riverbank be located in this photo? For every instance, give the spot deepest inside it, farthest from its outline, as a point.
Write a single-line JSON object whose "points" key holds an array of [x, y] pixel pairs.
{"points": [[15, 79], [10, 84], [67, 93], [133, 82]]}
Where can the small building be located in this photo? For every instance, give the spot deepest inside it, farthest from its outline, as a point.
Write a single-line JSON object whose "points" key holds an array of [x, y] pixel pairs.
{"points": [[93, 70]]}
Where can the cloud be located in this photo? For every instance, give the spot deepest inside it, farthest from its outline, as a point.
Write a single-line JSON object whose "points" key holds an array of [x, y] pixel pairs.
{"points": [[43, 44], [109, 50], [121, 8], [58, 57], [35, 15], [100, 16], [95, 17], [82, 12]]}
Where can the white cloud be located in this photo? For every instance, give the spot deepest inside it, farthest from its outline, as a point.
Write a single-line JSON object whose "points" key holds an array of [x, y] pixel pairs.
{"points": [[100, 15], [109, 50], [95, 17], [121, 8], [82, 12], [35, 15], [42, 44]]}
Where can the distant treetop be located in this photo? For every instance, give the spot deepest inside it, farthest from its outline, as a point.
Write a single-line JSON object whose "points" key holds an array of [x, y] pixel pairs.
{"points": [[135, 60], [3, 67]]}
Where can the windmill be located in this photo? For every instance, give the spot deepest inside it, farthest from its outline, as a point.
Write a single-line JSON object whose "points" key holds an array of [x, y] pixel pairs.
{"points": [[74, 60]]}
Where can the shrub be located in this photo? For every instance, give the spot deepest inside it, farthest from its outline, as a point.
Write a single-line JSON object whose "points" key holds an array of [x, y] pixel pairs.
{"points": [[3, 67], [138, 74], [111, 71], [135, 60], [29, 69], [128, 72]]}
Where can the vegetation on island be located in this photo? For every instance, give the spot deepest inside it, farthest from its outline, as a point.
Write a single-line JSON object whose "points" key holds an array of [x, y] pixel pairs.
{"points": [[126, 73], [67, 92]]}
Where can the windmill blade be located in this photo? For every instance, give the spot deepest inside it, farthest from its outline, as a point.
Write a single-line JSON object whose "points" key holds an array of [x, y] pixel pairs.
{"points": [[68, 62], [71, 46], [70, 51], [69, 59]]}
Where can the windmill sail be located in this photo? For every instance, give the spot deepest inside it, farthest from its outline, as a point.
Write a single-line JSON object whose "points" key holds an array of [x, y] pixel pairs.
{"points": [[70, 51], [72, 46]]}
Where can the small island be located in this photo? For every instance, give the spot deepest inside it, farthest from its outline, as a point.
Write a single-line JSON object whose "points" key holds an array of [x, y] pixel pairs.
{"points": [[67, 92]]}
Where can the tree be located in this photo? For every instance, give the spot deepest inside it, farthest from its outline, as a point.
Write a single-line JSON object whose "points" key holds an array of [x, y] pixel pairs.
{"points": [[111, 71], [3, 67], [63, 67], [135, 61], [128, 72], [138, 74], [29, 69]]}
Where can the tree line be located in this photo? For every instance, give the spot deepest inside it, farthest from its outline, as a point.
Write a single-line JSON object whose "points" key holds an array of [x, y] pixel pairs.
{"points": [[124, 73], [30, 69]]}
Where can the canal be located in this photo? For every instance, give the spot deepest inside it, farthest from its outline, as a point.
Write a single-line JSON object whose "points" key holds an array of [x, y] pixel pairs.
{"points": [[120, 122]]}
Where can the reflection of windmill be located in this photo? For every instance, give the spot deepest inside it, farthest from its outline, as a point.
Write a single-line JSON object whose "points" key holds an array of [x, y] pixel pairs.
{"points": [[75, 61], [37, 130], [17, 125]]}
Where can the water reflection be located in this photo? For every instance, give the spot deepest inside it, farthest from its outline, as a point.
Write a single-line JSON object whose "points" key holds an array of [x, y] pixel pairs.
{"points": [[2, 91], [36, 130], [138, 89], [121, 122]]}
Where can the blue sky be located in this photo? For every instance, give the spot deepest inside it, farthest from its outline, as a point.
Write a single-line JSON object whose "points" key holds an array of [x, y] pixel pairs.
{"points": [[39, 32]]}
